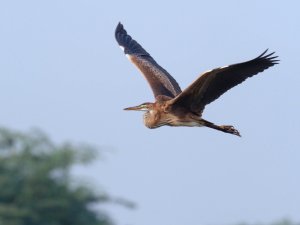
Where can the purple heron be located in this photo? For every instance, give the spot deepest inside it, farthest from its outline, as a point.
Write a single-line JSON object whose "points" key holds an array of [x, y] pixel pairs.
{"points": [[174, 107]]}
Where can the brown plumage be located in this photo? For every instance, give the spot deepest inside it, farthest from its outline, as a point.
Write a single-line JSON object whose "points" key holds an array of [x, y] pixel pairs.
{"points": [[174, 107]]}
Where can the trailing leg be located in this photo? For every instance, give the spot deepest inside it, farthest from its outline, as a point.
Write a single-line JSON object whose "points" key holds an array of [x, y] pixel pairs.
{"points": [[224, 128]]}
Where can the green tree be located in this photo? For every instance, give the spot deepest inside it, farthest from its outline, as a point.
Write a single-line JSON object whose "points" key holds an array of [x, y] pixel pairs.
{"points": [[285, 221], [36, 186]]}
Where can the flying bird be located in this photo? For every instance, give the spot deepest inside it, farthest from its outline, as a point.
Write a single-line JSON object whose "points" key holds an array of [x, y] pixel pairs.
{"points": [[173, 107]]}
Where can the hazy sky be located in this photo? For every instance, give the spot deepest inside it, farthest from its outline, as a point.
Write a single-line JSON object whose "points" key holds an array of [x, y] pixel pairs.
{"points": [[61, 70]]}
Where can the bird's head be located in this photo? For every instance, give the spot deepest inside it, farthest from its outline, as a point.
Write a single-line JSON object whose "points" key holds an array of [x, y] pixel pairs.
{"points": [[142, 107]]}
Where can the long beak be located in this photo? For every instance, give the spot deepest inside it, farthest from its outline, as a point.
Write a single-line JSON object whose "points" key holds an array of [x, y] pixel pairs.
{"points": [[136, 108]]}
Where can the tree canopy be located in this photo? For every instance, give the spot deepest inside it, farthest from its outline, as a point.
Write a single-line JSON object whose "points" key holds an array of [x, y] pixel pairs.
{"points": [[36, 186]]}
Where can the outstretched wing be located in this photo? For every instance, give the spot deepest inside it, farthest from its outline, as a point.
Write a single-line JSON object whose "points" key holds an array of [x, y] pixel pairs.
{"points": [[161, 82], [212, 84]]}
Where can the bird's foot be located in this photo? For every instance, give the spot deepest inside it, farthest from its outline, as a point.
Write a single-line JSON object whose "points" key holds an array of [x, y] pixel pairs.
{"points": [[230, 129]]}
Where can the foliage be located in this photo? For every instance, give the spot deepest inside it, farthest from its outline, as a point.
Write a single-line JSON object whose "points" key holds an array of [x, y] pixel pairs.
{"points": [[36, 186], [280, 222]]}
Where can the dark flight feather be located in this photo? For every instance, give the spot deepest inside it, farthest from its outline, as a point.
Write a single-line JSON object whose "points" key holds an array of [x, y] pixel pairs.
{"points": [[212, 84], [161, 82]]}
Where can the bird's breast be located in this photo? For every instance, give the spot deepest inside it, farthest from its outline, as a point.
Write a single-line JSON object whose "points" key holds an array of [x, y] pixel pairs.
{"points": [[155, 118]]}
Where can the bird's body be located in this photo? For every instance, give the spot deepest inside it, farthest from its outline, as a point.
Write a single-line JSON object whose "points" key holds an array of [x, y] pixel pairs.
{"points": [[162, 113], [174, 107]]}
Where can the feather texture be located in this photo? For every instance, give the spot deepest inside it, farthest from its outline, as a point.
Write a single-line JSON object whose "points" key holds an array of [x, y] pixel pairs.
{"points": [[161, 82], [212, 84]]}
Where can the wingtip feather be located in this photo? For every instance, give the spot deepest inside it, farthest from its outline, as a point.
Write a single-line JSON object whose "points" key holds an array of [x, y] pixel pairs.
{"points": [[119, 29], [269, 57]]}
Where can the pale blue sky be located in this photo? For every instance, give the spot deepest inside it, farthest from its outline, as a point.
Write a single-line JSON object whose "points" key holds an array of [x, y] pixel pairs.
{"points": [[61, 70]]}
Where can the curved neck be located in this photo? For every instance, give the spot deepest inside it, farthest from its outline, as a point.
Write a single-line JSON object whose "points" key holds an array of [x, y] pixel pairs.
{"points": [[149, 119]]}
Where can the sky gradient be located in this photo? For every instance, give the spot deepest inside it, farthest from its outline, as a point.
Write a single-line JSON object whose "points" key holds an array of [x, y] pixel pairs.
{"points": [[62, 71]]}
